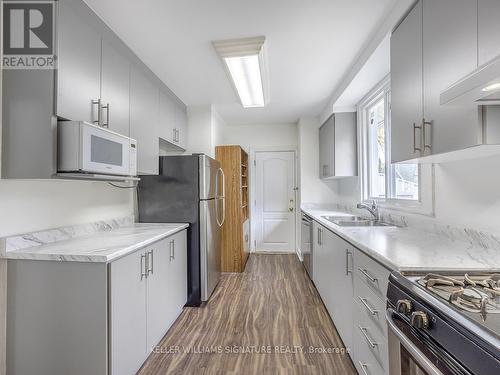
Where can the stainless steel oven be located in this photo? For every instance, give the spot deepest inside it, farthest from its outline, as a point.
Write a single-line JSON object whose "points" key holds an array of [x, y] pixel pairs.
{"points": [[306, 246], [429, 335], [409, 354]]}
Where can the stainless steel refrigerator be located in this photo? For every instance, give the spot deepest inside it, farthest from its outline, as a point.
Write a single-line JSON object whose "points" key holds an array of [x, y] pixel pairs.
{"points": [[189, 189]]}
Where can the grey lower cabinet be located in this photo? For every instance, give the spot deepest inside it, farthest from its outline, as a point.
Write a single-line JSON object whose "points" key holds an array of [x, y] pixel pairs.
{"points": [[147, 292], [333, 278], [488, 30], [338, 146], [115, 89], [79, 65], [353, 288], [144, 126], [94, 318]]}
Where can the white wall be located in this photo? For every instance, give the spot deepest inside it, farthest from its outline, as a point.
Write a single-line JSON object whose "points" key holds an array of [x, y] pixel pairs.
{"points": [[312, 188], [31, 205], [259, 136], [467, 194]]}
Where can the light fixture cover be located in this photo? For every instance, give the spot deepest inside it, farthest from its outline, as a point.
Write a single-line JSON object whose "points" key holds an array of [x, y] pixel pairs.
{"points": [[245, 63]]}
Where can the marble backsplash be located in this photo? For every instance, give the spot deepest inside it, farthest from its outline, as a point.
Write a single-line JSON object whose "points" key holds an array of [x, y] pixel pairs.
{"points": [[27, 240], [475, 238]]}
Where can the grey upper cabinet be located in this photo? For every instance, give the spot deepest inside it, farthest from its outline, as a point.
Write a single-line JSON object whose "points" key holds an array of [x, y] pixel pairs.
{"points": [[167, 118], [449, 53], [435, 46], [181, 125], [406, 87], [79, 65], [338, 146], [326, 145], [488, 30], [115, 90], [96, 70], [144, 114]]}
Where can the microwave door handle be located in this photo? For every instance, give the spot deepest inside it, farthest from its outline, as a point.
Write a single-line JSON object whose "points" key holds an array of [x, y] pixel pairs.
{"points": [[416, 354]]}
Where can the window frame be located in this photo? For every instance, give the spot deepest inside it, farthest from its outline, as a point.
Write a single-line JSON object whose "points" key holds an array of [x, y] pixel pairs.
{"points": [[425, 204]]}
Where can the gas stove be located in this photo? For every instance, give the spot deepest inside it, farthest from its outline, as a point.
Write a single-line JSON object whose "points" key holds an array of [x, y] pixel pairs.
{"points": [[448, 322]]}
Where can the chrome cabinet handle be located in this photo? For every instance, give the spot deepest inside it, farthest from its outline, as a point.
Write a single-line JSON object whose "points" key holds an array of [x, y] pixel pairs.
{"points": [[365, 303], [364, 366], [415, 127], [424, 124], [368, 339], [143, 266], [173, 135], [151, 261], [347, 270], [172, 250], [97, 102], [370, 277], [106, 124]]}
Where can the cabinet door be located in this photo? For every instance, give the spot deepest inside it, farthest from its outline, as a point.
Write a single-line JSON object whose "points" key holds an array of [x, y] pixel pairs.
{"points": [[342, 288], [449, 53], [158, 291], [127, 314], [144, 112], [79, 65], [346, 148], [326, 148], [177, 276], [489, 30], [317, 256], [115, 90], [181, 125], [167, 118], [406, 87]]}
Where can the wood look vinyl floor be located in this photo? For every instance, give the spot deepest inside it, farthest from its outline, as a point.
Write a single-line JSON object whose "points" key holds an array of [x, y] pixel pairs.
{"points": [[262, 321]]}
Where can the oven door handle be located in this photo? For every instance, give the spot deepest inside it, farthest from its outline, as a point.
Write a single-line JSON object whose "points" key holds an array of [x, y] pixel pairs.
{"points": [[417, 355]]}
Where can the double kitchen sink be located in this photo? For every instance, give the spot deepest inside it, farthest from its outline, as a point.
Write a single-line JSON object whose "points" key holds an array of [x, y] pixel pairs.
{"points": [[355, 221]]}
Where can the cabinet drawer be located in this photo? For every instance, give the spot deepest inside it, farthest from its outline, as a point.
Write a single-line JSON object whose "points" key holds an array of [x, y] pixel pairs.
{"points": [[371, 273], [370, 304], [370, 338], [364, 360]]}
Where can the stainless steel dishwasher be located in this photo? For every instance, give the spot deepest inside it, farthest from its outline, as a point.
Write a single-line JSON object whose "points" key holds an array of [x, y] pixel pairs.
{"points": [[306, 246]]}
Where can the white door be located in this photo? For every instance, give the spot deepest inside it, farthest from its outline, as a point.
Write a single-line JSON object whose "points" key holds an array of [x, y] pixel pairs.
{"points": [[275, 201]]}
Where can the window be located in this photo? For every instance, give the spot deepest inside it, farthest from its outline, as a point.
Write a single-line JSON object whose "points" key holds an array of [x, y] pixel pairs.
{"points": [[397, 186], [398, 181]]}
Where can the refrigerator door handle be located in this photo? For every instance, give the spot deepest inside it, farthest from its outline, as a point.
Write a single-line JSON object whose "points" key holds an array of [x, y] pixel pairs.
{"points": [[223, 196]]}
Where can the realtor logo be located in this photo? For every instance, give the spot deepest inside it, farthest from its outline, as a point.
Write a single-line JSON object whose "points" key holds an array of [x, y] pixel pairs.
{"points": [[28, 34]]}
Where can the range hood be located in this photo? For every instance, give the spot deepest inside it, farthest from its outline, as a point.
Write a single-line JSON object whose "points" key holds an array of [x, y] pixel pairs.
{"points": [[481, 87]]}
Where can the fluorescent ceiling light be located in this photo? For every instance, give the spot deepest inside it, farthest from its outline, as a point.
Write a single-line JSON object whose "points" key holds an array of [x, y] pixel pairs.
{"points": [[245, 64], [245, 72], [492, 87]]}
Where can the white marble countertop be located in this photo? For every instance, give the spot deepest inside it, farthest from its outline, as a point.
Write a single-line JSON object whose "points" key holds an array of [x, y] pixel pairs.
{"points": [[101, 246], [406, 249]]}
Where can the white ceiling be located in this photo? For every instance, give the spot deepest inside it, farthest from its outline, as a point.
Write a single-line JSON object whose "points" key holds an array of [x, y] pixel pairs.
{"points": [[310, 46]]}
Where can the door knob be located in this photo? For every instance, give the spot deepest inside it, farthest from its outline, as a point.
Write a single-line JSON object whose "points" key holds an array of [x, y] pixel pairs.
{"points": [[290, 209]]}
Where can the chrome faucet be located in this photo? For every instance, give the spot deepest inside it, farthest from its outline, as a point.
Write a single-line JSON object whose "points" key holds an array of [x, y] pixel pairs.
{"points": [[373, 209]]}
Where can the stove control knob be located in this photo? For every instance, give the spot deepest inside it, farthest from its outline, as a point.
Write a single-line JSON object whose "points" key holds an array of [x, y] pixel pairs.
{"points": [[404, 306], [419, 320]]}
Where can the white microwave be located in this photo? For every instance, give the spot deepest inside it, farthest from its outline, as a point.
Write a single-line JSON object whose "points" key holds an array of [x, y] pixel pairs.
{"points": [[87, 148]]}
